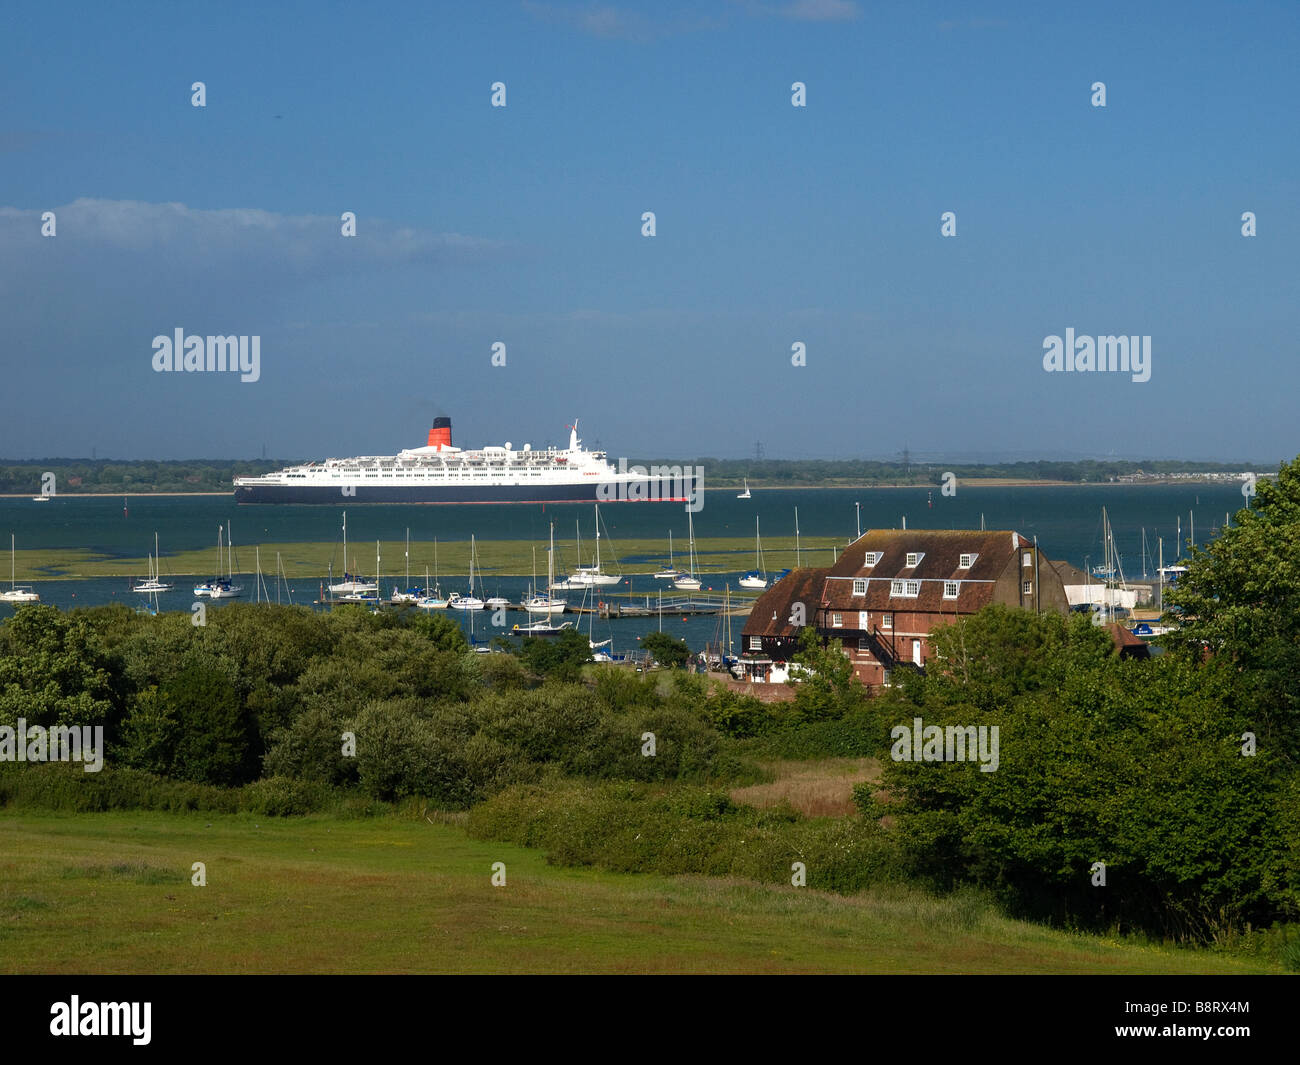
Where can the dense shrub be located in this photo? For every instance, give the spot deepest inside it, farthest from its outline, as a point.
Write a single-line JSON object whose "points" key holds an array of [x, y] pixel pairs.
{"points": [[632, 828], [1135, 764]]}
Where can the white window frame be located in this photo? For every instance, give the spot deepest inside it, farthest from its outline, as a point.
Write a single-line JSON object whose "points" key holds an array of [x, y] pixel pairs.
{"points": [[887, 620], [951, 589], [967, 560], [859, 585], [864, 644], [756, 643], [896, 586], [1027, 560], [911, 589], [837, 621], [1027, 588], [913, 559]]}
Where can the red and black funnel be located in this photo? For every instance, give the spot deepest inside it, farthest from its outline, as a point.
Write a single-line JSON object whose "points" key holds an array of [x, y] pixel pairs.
{"points": [[440, 434]]}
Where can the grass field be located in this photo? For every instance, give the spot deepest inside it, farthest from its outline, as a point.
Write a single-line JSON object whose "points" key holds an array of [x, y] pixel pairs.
{"points": [[499, 558], [821, 788], [111, 893]]}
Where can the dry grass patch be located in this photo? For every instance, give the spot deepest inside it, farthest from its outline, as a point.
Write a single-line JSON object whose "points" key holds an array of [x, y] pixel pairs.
{"points": [[823, 788]]}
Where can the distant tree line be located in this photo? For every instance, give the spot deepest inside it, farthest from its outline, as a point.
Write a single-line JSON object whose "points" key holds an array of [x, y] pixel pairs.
{"points": [[782, 472], [131, 478]]}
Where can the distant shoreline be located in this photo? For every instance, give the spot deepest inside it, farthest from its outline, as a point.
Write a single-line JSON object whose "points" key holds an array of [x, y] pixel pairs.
{"points": [[969, 482], [107, 495]]}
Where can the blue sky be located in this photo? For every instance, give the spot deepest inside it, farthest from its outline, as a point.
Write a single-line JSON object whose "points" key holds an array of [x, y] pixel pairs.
{"points": [[775, 224]]}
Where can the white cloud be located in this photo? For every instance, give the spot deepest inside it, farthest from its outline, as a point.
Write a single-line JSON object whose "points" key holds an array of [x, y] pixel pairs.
{"points": [[218, 235]]}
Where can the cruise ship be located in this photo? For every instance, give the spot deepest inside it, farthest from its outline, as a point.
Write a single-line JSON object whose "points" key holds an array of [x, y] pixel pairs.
{"points": [[441, 473]]}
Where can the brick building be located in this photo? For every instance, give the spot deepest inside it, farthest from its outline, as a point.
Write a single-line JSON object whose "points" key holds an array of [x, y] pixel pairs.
{"points": [[889, 591]]}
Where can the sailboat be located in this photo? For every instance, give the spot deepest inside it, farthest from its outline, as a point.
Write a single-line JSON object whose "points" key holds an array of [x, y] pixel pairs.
{"points": [[756, 578], [433, 598], [543, 602], [593, 576], [227, 588], [411, 595], [689, 580], [746, 494], [672, 571], [467, 602], [367, 593], [220, 587], [351, 584], [154, 582], [15, 593]]}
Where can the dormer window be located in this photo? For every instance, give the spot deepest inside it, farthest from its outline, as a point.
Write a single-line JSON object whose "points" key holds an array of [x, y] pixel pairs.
{"points": [[951, 589], [859, 586], [907, 589], [913, 559], [872, 557], [895, 587], [967, 560]]}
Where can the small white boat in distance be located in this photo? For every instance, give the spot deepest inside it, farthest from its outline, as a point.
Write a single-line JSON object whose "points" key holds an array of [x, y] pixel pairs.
{"points": [[432, 599], [591, 576], [153, 583], [542, 602], [221, 587], [16, 594], [670, 572], [225, 590], [746, 494], [351, 585], [467, 602], [411, 595], [40, 499], [756, 578], [689, 581], [541, 628], [497, 601]]}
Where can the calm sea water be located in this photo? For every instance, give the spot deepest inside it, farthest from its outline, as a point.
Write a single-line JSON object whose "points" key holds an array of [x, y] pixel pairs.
{"points": [[1066, 520]]}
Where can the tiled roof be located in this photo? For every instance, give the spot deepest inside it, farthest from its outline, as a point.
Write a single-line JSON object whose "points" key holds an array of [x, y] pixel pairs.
{"points": [[940, 561], [770, 615]]}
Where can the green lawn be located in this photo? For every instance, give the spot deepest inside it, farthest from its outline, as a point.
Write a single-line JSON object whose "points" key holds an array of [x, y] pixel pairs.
{"points": [[111, 893]]}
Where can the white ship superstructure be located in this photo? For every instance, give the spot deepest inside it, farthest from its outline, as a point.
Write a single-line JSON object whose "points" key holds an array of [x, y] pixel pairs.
{"points": [[442, 473]]}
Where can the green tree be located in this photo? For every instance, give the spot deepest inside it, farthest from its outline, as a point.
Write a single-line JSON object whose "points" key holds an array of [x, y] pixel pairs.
{"points": [[556, 656], [1239, 601], [53, 670], [668, 651], [824, 682]]}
